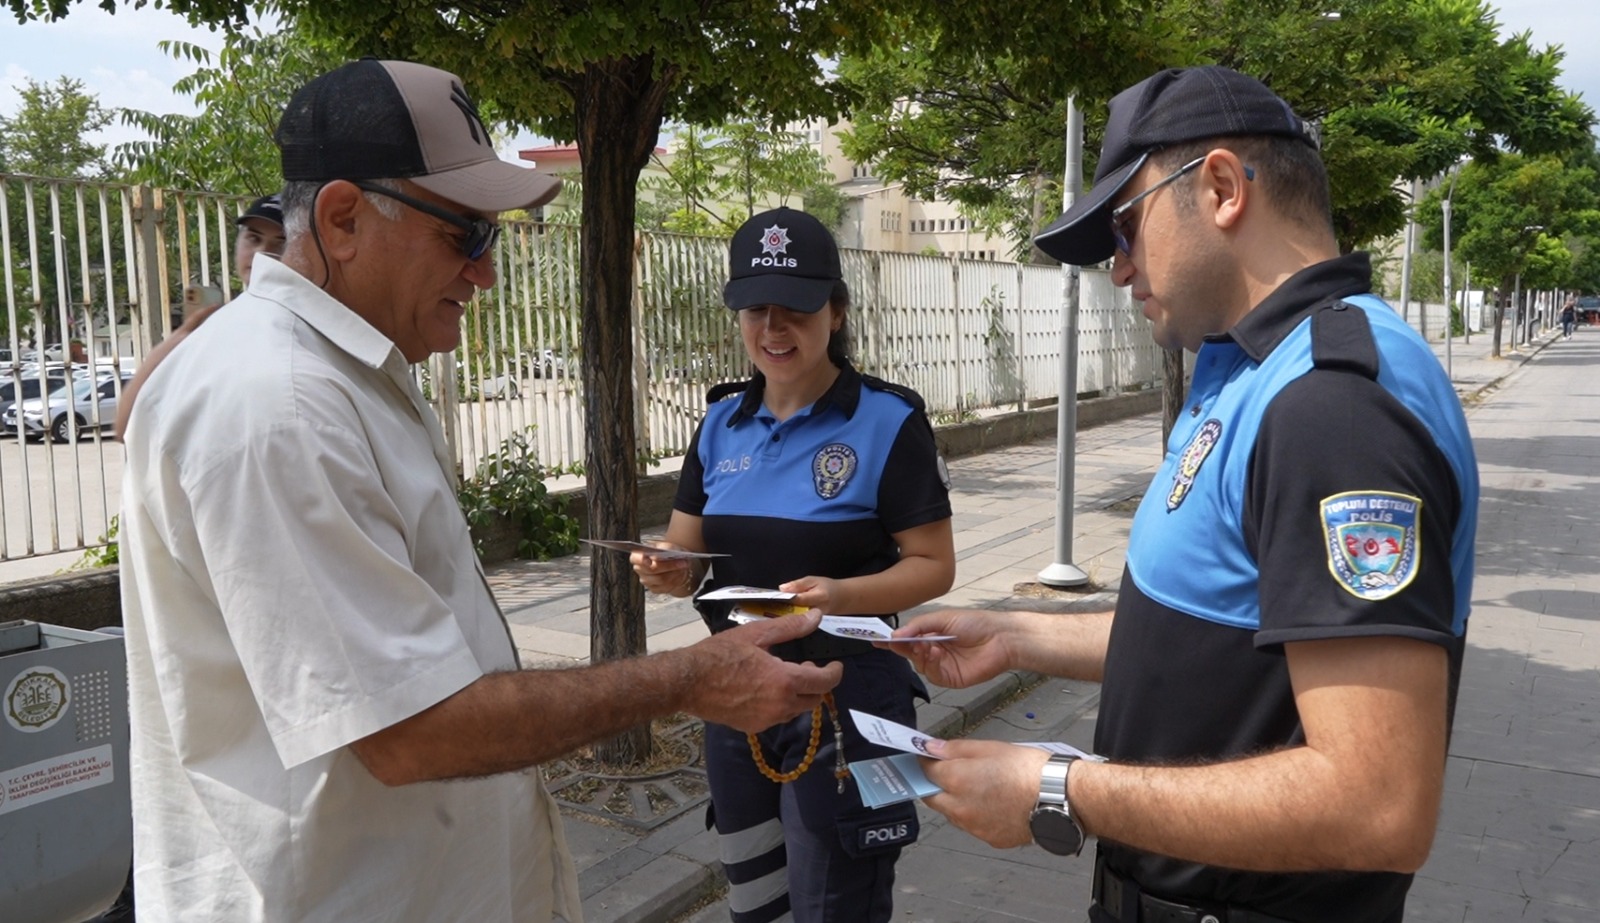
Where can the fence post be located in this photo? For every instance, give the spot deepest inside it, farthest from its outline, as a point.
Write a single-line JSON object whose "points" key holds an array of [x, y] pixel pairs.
{"points": [[1022, 356], [955, 333], [148, 301]]}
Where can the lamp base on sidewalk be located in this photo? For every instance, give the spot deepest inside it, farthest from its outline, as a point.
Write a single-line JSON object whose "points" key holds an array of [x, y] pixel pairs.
{"points": [[1063, 575]]}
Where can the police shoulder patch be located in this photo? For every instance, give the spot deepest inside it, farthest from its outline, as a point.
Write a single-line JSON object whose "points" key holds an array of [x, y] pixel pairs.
{"points": [[1373, 541], [831, 469]]}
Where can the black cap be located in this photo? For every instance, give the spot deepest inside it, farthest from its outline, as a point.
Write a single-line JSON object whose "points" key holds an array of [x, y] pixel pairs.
{"points": [[1172, 107], [372, 119], [267, 207], [782, 257]]}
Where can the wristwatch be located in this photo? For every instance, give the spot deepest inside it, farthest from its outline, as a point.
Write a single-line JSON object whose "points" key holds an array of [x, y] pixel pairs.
{"points": [[1052, 822]]}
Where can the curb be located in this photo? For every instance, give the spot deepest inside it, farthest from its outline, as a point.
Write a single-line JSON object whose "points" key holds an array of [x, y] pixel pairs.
{"points": [[663, 887]]}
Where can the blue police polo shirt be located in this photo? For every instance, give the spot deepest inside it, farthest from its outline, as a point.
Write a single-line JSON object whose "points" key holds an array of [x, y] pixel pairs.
{"points": [[1319, 483], [820, 493]]}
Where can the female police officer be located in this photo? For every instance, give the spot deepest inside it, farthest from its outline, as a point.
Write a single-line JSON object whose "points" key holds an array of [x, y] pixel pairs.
{"points": [[823, 482]]}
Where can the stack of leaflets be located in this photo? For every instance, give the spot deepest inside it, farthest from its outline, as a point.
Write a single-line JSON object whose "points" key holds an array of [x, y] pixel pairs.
{"points": [[752, 603], [892, 779]]}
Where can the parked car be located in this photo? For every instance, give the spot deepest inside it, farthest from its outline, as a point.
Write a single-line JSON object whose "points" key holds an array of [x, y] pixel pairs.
{"points": [[75, 408], [502, 386], [547, 364], [1589, 309], [27, 387]]}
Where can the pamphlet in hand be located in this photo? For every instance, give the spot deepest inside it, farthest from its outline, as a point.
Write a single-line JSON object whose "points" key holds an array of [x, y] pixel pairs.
{"points": [[862, 628], [890, 780], [665, 554], [747, 594], [889, 734]]}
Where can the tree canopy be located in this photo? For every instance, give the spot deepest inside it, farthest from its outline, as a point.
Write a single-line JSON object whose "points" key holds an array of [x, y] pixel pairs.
{"points": [[1514, 215], [1401, 89], [241, 91], [47, 136]]}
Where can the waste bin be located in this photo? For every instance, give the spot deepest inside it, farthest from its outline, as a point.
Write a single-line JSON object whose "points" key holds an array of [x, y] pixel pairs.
{"points": [[66, 828]]}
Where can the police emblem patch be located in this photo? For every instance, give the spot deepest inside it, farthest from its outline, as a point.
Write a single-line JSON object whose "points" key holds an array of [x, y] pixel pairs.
{"points": [[831, 469], [1373, 542], [1194, 455]]}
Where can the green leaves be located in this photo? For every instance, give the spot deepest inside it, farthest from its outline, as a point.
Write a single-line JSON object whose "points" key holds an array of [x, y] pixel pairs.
{"points": [[241, 92], [46, 136], [510, 484]]}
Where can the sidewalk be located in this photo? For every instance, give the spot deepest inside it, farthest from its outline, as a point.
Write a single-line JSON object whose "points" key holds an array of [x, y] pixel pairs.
{"points": [[1005, 526]]}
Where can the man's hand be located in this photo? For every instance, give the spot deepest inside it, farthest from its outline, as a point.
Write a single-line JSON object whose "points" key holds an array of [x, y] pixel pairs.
{"points": [[978, 653], [990, 788], [744, 687]]}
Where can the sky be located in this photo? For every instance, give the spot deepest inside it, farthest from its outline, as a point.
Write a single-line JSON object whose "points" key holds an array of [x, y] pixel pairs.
{"points": [[117, 58]]}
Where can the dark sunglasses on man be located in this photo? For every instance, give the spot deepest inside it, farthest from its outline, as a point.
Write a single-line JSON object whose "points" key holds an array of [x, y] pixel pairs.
{"points": [[480, 234]]}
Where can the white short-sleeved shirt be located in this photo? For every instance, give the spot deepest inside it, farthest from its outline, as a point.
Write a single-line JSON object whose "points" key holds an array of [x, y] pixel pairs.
{"points": [[297, 575]]}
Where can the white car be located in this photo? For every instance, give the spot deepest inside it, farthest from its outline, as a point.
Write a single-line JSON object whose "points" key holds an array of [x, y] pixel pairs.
{"points": [[82, 407]]}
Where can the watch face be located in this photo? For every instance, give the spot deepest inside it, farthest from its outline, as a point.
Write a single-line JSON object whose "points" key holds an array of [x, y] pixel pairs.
{"points": [[1055, 831]]}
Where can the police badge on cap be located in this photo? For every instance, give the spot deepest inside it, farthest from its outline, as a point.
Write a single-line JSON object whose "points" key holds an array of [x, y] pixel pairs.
{"points": [[782, 257]]}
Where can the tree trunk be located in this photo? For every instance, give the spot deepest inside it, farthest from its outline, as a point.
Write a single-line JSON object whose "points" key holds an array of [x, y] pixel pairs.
{"points": [[619, 105], [1171, 391]]}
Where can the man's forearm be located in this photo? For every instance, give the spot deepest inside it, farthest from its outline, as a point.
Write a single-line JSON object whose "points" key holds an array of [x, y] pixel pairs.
{"points": [[1069, 645], [509, 721], [1281, 812], [1362, 793]]}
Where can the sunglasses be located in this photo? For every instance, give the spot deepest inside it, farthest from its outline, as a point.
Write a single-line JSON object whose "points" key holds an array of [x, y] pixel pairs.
{"points": [[1122, 237], [479, 234]]}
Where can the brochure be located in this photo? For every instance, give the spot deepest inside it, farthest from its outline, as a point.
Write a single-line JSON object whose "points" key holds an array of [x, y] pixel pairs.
{"points": [[665, 554], [890, 780]]}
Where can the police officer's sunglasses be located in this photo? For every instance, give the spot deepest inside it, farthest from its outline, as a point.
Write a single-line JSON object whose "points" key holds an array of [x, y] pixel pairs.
{"points": [[1124, 243], [1124, 238], [480, 233]]}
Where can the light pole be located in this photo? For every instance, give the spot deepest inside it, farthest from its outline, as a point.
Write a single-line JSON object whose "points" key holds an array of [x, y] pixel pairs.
{"points": [[1063, 573], [1405, 259], [1449, 301]]}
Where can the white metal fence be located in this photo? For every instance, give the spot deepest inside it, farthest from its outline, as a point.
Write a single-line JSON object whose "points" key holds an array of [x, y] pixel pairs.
{"points": [[107, 265]]}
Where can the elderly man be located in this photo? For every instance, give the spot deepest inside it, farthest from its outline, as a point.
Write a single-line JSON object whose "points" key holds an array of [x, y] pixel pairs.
{"points": [[1280, 669], [313, 649]]}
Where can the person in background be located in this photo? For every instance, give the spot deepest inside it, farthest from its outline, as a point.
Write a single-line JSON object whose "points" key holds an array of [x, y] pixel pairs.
{"points": [[1569, 317], [1279, 675], [312, 645], [258, 230], [820, 481]]}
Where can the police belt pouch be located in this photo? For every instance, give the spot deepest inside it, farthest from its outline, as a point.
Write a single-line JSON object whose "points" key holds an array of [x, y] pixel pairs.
{"points": [[867, 831]]}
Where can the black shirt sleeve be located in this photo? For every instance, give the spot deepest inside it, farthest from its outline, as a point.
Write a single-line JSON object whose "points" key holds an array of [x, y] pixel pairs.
{"points": [[1333, 432], [691, 496], [912, 491]]}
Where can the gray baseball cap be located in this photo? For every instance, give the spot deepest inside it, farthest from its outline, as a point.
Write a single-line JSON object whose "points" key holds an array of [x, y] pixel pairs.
{"points": [[373, 119]]}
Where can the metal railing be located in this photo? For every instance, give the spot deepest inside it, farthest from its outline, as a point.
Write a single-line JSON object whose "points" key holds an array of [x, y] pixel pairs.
{"points": [[107, 265]]}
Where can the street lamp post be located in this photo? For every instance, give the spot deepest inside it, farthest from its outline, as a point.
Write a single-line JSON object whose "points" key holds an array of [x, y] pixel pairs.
{"points": [[1063, 573], [1405, 259], [1449, 300]]}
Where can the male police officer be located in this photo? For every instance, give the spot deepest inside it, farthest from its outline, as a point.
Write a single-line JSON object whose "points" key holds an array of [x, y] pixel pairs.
{"points": [[1280, 670]]}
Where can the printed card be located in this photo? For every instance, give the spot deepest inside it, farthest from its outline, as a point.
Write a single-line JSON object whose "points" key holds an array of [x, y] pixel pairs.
{"points": [[889, 734], [747, 594], [665, 554], [890, 780]]}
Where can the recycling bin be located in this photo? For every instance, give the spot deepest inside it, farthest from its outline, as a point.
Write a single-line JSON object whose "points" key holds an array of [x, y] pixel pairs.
{"points": [[66, 827]]}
